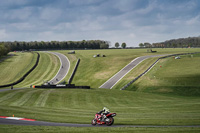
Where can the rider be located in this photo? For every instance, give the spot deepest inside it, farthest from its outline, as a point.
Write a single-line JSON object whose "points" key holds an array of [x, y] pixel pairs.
{"points": [[103, 113]]}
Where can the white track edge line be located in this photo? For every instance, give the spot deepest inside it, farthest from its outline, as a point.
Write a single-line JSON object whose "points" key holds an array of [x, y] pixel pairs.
{"points": [[118, 72], [128, 72]]}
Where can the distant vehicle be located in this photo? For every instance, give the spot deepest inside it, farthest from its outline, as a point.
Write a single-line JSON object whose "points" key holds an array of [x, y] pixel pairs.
{"points": [[71, 52], [177, 57]]}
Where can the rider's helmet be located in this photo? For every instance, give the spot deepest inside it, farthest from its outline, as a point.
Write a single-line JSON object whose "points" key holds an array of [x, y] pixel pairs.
{"points": [[106, 110]]}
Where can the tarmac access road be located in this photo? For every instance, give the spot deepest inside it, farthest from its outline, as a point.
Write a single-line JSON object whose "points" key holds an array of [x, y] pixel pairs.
{"points": [[118, 76], [4, 121], [64, 68]]}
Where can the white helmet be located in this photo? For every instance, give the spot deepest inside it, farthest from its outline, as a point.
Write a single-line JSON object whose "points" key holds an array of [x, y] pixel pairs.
{"points": [[106, 110]]}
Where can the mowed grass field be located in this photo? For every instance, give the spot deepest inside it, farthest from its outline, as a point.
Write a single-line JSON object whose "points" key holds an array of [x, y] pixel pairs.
{"points": [[79, 106], [138, 107], [14, 67], [173, 76], [19, 63], [47, 68]]}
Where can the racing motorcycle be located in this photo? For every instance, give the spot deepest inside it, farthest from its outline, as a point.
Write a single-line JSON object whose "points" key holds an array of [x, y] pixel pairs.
{"points": [[109, 120]]}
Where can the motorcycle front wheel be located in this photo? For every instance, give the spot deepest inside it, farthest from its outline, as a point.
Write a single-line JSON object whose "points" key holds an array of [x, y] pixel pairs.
{"points": [[110, 122], [94, 122]]}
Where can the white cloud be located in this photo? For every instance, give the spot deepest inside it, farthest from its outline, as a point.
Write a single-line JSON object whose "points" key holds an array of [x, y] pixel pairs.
{"points": [[130, 21], [24, 26], [50, 14], [3, 34], [194, 21]]}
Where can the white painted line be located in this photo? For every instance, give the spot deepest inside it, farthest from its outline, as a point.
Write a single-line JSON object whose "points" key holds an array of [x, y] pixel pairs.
{"points": [[14, 118]]}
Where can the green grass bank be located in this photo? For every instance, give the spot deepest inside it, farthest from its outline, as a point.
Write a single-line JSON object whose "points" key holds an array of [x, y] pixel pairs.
{"points": [[152, 102]]}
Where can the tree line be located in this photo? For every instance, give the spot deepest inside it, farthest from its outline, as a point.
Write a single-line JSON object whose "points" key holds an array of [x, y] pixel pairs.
{"points": [[89, 44], [174, 43]]}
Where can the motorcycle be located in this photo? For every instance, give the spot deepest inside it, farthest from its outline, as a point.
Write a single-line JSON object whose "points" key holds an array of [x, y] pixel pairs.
{"points": [[109, 120]]}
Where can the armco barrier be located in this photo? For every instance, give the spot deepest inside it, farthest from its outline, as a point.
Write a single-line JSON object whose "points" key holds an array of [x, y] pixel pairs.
{"points": [[127, 85], [25, 75], [73, 73]]}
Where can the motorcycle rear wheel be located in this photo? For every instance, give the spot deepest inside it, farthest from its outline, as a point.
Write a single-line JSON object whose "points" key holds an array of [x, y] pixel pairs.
{"points": [[94, 122], [110, 122]]}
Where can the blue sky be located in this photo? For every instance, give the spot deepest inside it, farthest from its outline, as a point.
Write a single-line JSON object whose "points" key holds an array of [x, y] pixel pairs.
{"points": [[130, 21]]}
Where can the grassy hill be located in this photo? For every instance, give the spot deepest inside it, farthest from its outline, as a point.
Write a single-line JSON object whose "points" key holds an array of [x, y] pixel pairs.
{"points": [[95, 71], [138, 107], [19, 63], [14, 67], [47, 68], [174, 76]]}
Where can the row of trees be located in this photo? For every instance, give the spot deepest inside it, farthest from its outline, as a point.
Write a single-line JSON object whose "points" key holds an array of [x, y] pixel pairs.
{"points": [[174, 43], [3, 50], [123, 45], [90, 44]]}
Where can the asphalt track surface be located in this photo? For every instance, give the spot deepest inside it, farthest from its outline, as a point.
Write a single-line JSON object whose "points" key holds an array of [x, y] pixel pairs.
{"points": [[64, 68], [42, 123], [118, 76]]}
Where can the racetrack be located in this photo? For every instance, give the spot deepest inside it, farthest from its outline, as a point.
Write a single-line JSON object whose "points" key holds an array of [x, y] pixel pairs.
{"points": [[42, 123], [64, 68], [118, 76]]}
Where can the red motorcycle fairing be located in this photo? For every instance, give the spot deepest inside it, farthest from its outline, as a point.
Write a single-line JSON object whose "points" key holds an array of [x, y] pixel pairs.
{"points": [[109, 121], [111, 114]]}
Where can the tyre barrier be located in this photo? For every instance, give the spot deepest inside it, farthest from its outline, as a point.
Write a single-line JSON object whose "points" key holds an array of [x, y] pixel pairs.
{"points": [[73, 73], [62, 86], [25, 75], [127, 85]]}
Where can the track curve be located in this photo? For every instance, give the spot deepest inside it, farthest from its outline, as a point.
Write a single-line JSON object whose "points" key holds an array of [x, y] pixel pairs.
{"points": [[64, 68]]}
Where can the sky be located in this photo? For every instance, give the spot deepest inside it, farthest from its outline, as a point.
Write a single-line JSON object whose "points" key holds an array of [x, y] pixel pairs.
{"points": [[129, 21]]}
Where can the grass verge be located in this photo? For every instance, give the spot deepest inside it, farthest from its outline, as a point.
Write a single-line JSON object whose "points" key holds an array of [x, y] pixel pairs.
{"points": [[47, 129]]}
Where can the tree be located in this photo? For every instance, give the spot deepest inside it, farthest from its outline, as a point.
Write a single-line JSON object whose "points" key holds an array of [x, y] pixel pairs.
{"points": [[3, 50], [141, 45], [104, 46], [147, 45], [116, 44], [123, 45]]}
